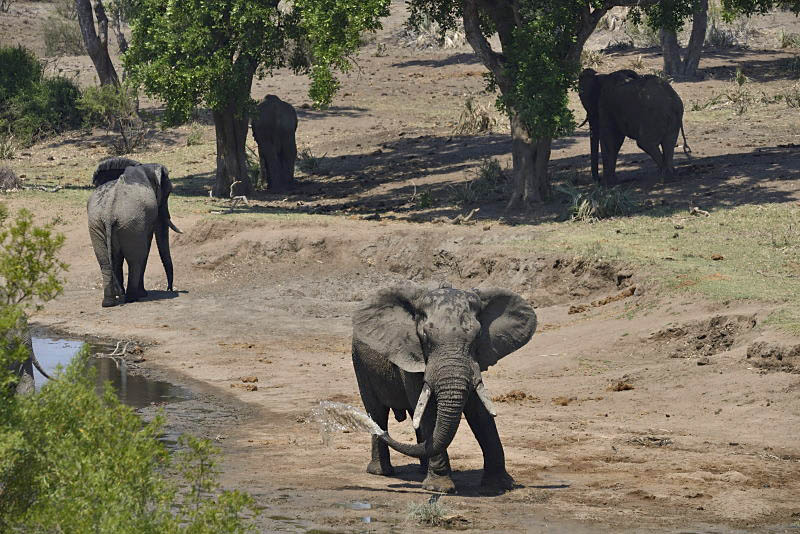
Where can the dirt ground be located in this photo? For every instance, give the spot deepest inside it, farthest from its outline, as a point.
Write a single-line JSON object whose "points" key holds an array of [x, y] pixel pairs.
{"points": [[632, 409]]}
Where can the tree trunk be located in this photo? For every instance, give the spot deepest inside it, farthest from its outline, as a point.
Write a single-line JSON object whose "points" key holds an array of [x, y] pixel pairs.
{"points": [[231, 133], [530, 157], [97, 45], [674, 64]]}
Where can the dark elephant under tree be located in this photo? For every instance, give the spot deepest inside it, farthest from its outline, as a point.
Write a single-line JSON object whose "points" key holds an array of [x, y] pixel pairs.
{"points": [[274, 127], [129, 205], [624, 104], [416, 348]]}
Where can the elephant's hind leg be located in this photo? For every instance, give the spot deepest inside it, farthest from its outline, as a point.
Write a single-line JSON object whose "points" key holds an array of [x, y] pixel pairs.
{"points": [[653, 150]]}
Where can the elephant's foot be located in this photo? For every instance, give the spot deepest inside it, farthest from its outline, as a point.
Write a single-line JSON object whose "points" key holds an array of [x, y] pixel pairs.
{"points": [[496, 483], [439, 483], [375, 467], [423, 465], [109, 302]]}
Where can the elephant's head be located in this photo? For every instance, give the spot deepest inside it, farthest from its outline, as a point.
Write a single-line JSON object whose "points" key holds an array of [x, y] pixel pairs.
{"points": [[450, 336], [590, 86], [162, 186]]}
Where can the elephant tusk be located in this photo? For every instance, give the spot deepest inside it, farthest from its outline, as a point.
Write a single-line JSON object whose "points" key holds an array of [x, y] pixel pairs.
{"points": [[174, 228], [421, 403], [584, 122], [483, 395]]}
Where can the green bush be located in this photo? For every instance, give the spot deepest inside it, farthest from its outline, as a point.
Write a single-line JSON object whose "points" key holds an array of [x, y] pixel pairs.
{"points": [[50, 107], [33, 106], [20, 70], [115, 109]]}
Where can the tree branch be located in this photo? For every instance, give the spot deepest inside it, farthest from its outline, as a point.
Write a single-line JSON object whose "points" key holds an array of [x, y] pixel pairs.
{"points": [[472, 29]]}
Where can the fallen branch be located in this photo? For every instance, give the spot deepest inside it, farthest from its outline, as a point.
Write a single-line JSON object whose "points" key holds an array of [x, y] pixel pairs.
{"points": [[116, 356]]}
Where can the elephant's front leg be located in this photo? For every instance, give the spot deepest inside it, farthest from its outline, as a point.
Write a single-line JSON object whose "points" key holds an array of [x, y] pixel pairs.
{"points": [[495, 477], [439, 474]]}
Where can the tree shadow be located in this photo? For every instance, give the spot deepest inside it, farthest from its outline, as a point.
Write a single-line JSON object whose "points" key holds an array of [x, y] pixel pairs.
{"points": [[158, 294], [464, 58], [305, 114]]}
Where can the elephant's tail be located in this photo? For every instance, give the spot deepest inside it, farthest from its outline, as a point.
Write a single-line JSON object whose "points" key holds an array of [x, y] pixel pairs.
{"points": [[686, 148]]}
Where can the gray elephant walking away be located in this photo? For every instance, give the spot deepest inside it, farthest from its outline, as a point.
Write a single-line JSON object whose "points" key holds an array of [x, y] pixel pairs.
{"points": [[129, 205], [624, 104], [274, 127], [420, 351]]}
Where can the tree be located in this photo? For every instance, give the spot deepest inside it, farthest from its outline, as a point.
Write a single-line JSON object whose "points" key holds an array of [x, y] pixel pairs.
{"points": [[192, 53], [96, 40], [538, 61], [674, 64]]}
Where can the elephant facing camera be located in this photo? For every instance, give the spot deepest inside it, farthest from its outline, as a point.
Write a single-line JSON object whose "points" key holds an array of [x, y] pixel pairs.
{"points": [[420, 351], [127, 207]]}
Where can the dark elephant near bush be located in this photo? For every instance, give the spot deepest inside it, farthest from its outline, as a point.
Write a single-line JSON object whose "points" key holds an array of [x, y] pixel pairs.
{"points": [[274, 127], [23, 371], [129, 205], [415, 347], [624, 104]]}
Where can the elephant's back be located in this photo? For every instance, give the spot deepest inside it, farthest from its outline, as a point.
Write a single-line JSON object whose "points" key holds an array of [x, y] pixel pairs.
{"points": [[133, 206], [275, 113]]}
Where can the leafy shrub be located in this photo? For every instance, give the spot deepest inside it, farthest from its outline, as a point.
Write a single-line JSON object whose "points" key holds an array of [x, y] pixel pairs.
{"points": [[62, 37], [641, 34], [788, 40], [20, 70], [425, 32], [720, 37], [115, 109], [195, 136], [8, 178], [32, 106], [596, 202], [48, 108]]}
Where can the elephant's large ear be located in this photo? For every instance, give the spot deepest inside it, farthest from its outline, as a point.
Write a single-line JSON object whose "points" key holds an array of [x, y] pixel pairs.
{"points": [[386, 323], [589, 91], [159, 179], [507, 322]]}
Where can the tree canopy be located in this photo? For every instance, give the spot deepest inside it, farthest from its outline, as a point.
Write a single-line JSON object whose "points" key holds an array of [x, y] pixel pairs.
{"points": [[192, 53]]}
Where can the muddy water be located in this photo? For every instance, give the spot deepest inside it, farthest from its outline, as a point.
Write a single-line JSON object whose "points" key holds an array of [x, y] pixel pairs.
{"points": [[135, 391]]}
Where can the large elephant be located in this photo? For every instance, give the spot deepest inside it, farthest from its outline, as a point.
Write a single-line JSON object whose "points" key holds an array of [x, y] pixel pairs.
{"points": [[23, 370], [274, 127], [416, 347], [129, 205], [624, 104]]}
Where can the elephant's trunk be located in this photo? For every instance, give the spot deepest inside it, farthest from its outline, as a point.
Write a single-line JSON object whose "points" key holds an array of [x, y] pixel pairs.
{"points": [[451, 395], [162, 240]]}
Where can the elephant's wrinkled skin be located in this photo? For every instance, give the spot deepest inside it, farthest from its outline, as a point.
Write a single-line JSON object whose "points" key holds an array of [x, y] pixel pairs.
{"points": [[129, 205], [274, 127], [23, 371], [624, 104], [413, 345]]}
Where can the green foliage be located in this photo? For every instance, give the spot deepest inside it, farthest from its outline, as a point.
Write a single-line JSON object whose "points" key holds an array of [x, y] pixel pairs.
{"points": [[7, 148], [596, 202], [80, 462], [29, 268], [539, 67], [33, 106], [212, 50], [115, 109]]}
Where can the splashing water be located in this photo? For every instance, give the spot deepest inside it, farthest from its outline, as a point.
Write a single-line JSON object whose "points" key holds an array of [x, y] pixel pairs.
{"points": [[337, 417]]}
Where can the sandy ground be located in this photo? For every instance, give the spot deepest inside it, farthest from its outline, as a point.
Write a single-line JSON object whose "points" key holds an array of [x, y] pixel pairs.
{"points": [[643, 414]]}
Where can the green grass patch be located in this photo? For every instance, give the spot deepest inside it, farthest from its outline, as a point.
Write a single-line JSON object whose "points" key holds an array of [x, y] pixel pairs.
{"points": [[757, 249]]}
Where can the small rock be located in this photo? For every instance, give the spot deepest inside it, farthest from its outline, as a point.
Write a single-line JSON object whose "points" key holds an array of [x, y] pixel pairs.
{"points": [[563, 401], [703, 361], [246, 387], [678, 227], [372, 217], [717, 257], [675, 235], [51, 158], [249, 379]]}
